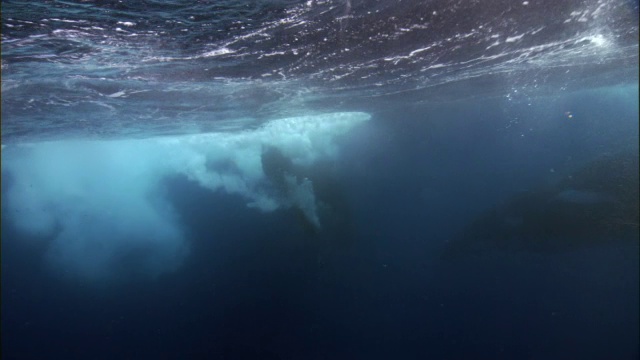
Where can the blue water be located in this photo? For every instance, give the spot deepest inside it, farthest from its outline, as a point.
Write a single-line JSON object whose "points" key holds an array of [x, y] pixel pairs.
{"points": [[320, 180]]}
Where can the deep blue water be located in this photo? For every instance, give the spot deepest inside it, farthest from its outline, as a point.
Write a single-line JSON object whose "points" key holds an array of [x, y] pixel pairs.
{"points": [[163, 198]]}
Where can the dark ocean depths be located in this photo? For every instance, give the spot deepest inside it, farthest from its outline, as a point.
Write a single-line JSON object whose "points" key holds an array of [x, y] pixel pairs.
{"points": [[348, 179]]}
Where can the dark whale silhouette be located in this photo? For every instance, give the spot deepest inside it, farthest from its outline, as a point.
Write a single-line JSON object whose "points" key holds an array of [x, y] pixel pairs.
{"points": [[595, 205]]}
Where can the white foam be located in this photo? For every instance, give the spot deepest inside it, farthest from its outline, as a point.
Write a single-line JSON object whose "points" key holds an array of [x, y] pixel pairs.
{"points": [[101, 202]]}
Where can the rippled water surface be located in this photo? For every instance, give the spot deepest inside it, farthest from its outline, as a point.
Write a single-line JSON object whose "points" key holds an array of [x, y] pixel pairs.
{"points": [[141, 68]]}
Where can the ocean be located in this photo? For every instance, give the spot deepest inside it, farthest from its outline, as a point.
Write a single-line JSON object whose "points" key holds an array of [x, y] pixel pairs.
{"points": [[321, 179]]}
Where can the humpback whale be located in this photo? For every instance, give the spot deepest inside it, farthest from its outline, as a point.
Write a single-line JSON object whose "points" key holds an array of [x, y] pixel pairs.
{"points": [[595, 205]]}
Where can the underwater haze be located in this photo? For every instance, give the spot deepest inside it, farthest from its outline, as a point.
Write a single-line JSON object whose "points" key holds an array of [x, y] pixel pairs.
{"points": [[321, 179]]}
